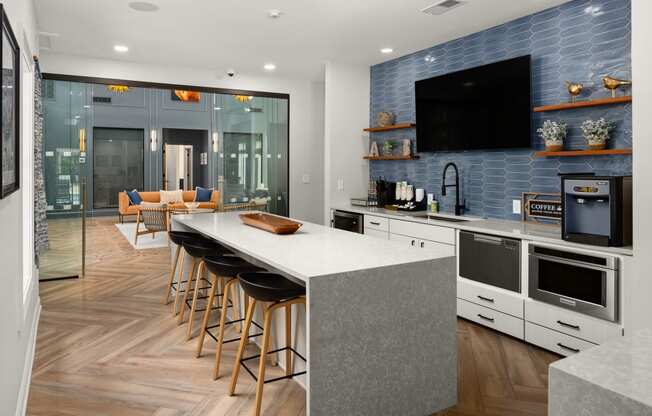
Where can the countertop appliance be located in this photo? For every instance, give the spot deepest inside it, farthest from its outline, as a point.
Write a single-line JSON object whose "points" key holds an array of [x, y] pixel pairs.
{"points": [[486, 107], [585, 283], [349, 221], [597, 210], [492, 260]]}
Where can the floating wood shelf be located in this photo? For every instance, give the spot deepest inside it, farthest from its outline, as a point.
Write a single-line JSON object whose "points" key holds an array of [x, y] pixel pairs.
{"points": [[581, 104], [392, 127], [391, 157], [568, 153]]}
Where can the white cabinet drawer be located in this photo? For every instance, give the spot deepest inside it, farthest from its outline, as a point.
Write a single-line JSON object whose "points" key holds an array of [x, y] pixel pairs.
{"points": [[438, 249], [494, 298], [376, 223], [554, 341], [572, 323], [423, 231], [408, 241], [377, 234], [491, 318]]}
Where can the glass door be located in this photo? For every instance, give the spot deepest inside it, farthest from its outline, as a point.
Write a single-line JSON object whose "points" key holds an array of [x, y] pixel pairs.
{"points": [[64, 145], [254, 150]]}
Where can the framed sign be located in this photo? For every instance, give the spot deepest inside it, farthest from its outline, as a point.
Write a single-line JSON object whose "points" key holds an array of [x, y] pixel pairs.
{"points": [[539, 206], [10, 149]]}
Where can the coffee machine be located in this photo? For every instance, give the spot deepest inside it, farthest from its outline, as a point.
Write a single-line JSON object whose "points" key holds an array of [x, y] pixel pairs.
{"points": [[597, 209]]}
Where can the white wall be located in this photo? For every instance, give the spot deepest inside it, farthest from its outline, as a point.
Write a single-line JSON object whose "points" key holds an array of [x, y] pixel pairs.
{"points": [[18, 309], [346, 113], [306, 110], [641, 285]]}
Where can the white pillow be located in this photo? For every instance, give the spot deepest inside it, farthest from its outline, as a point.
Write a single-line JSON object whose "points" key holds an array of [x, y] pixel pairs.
{"points": [[146, 204], [170, 197]]}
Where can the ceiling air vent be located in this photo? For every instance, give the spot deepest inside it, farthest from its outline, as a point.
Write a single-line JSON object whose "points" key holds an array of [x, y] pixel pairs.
{"points": [[46, 40], [442, 7]]}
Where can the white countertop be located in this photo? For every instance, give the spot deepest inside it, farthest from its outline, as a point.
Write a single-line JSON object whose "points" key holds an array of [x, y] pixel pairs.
{"points": [[539, 232], [314, 250], [623, 366]]}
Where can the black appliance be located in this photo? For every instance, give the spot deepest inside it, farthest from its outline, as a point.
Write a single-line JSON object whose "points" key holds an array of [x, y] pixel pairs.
{"points": [[597, 210], [348, 221], [487, 107], [385, 192], [585, 283], [492, 260]]}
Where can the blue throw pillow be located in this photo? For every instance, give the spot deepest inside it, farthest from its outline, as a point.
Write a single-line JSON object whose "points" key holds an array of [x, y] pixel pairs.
{"points": [[203, 194], [134, 197]]}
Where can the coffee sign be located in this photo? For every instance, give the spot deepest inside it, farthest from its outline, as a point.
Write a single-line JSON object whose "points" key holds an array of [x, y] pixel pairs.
{"points": [[541, 206]]}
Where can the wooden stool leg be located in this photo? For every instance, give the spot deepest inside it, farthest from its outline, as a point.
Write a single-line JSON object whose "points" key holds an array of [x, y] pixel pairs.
{"points": [[173, 271], [175, 307], [207, 313], [241, 347], [191, 276], [246, 310], [263, 353], [195, 296], [220, 336], [235, 299], [273, 358], [288, 340]]}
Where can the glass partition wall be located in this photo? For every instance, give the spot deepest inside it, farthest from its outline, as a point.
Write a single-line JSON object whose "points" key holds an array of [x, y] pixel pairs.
{"points": [[114, 138]]}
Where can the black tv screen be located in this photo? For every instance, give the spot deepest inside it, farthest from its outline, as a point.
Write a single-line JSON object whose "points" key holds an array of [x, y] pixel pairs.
{"points": [[487, 107]]}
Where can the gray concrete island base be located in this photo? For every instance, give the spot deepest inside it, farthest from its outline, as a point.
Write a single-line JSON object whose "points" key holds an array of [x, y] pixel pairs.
{"points": [[379, 330], [383, 341]]}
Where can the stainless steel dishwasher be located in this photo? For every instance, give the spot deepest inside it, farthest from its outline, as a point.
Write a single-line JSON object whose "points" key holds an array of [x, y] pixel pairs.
{"points": [[492, 260]]}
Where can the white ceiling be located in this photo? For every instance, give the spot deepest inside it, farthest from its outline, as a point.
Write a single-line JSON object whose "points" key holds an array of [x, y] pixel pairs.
{"points": [[224, 34]]}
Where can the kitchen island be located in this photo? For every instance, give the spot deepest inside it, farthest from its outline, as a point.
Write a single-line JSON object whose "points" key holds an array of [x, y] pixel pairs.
{"points": [[381, 318]]}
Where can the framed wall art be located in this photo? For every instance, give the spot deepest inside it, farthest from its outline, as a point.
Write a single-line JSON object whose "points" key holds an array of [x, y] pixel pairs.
{"points": [[9, 107]]}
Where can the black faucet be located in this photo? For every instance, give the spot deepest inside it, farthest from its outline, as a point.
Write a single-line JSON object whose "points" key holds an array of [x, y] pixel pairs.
{"points": [[458, 208]]}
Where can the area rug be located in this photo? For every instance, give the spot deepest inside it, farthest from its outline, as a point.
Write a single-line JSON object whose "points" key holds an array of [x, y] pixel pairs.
{"points": [[145, 241]]}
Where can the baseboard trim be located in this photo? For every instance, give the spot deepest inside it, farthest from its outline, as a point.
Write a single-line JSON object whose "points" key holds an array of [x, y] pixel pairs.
{"points": [[23, 393]]}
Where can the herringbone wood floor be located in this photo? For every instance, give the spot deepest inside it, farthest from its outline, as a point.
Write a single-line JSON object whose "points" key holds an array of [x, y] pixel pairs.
{"points": [[108, 346]]}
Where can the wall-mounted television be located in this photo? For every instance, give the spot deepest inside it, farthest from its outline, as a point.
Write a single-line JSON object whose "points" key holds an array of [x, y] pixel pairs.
{"points": [[486, 107]]}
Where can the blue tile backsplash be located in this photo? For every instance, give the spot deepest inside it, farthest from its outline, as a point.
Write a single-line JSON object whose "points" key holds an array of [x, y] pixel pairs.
{"points": [[580, 41]]}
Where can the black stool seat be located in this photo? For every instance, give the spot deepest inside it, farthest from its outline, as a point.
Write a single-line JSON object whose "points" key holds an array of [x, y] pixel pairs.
{"points": [[229, 265], [269, 287], [203, 248], [178, 237]]}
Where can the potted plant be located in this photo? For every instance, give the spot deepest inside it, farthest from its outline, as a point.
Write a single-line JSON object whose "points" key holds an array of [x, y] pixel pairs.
{"points": [[553, 135], [388, 148], [597, 132]]}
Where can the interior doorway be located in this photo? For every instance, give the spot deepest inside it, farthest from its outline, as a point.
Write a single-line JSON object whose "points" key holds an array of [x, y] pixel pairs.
{"points": [[185, 159], [178, 165]]}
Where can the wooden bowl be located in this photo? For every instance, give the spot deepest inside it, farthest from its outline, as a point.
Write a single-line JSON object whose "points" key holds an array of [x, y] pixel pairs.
{"points": [[270, 223]]}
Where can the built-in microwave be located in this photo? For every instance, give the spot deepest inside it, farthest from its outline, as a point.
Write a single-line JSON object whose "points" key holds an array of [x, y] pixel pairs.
{"points": [[585, 283]]}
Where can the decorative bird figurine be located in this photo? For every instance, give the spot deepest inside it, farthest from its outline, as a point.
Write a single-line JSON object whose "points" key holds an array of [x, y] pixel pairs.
{"points": [[574, 89], [613, 84]]}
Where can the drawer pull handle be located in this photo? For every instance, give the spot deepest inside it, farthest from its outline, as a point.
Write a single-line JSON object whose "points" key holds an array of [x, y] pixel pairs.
{"points": [[486, 318], [486, 299], [413, 242], [374, 223], [422, 244], [571, 326], [560, 345]]}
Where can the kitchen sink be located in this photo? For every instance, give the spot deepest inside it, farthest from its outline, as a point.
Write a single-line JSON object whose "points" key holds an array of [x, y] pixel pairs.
{"points": [[440, 218]]}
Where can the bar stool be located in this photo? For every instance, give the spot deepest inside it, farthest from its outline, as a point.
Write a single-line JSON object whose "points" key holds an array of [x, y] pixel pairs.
{"points": [[268, 287], [198, 250], [178, 237], [226, 267]]}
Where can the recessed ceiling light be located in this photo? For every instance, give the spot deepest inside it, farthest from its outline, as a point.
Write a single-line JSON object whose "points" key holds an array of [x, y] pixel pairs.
{"points": [[269, 67], [120, 48], [143, 6], [274, 13], [387, 50]]}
